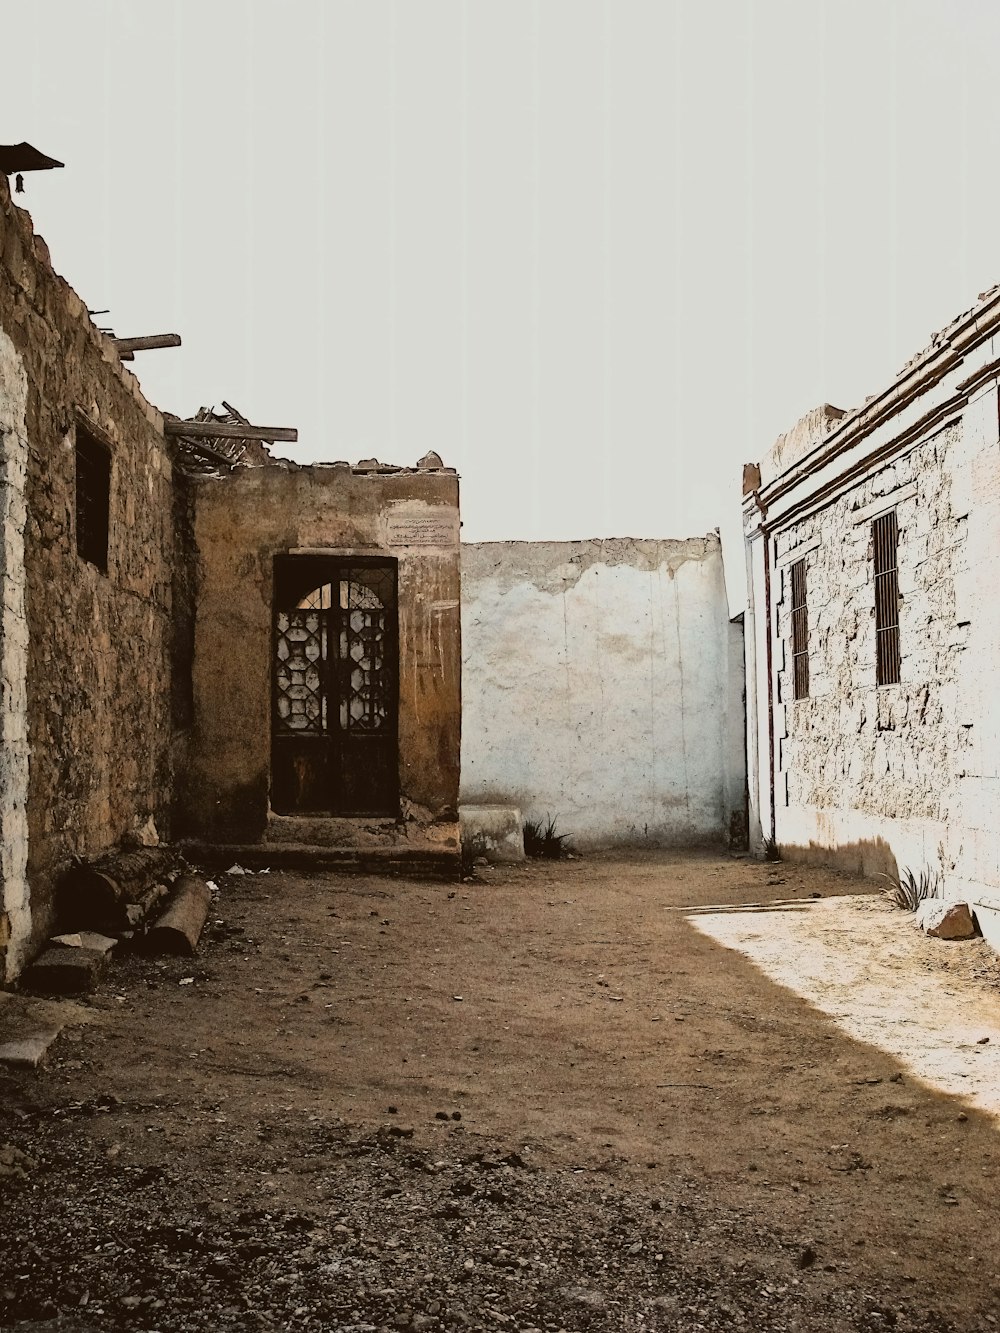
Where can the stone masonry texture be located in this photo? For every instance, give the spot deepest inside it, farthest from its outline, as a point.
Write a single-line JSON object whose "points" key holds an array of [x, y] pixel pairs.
{"points": [[97, 674]]}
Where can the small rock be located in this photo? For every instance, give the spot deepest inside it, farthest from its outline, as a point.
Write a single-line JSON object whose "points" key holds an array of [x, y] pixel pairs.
{"points": [[14, 1163], [945, 920], [806, 1257]]}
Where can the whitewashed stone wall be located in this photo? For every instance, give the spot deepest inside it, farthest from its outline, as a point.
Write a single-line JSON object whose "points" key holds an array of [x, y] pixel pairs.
{"points": [[603, 685], [854, 755], [15, 921]]}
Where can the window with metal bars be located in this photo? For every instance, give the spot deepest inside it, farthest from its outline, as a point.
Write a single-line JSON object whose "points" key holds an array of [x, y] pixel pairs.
{"points": [[800, 631], [885, 542], [93, 498]]}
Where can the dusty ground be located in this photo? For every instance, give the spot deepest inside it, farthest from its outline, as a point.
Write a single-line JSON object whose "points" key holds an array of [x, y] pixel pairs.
{"points": [[577, 1095]]}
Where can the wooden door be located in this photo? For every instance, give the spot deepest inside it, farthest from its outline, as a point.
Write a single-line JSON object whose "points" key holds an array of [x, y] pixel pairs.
{"points": [[334, 726]]}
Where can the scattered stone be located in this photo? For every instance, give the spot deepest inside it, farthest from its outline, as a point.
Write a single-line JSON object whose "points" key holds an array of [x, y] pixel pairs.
{"points": [[27, 1051], [15, 1164], [85, 939], [62, 971], [945, 920]]}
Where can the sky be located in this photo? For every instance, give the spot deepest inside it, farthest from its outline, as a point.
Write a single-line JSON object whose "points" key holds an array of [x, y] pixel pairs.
{"points": [[595, 253]]}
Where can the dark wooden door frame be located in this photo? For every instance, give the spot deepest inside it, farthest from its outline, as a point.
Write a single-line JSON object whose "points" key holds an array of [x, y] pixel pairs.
{"points": [[338, 763]]}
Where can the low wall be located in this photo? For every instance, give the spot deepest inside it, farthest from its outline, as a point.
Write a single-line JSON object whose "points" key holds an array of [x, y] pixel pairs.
{"points": [[603, 685]]}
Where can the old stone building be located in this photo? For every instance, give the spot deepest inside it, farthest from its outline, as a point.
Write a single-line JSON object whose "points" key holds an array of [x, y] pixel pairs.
{"points": [[873, 543], [197, 642], [326, 672]]}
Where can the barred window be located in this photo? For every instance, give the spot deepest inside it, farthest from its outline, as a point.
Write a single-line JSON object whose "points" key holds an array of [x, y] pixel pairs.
{"points": [[93, 498], [800, 631], [885, 542]]}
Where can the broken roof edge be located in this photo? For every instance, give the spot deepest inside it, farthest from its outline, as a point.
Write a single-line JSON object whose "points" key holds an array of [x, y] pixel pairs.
{"points": [[361, 469], [34, 251], [842, 429]]}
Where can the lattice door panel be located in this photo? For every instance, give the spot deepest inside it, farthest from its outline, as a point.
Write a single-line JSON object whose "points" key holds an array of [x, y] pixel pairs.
{"points": [[334, 723]]}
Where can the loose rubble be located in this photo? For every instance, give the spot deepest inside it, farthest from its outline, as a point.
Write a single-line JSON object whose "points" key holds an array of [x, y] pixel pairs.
{"points": [[463, 1236]]}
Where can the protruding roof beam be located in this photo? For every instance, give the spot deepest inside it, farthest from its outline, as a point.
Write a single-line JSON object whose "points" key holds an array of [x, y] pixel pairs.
{"points": [[226, 430], [126, 346]]}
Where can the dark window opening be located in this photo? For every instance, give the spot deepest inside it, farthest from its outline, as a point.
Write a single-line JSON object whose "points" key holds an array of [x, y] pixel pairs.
{"points": [[93, 498], [800, 631], [885, 541]]}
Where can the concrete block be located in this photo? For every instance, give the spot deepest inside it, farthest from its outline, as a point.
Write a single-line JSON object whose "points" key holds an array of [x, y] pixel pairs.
{"points": [[85, 939], [495, 831], [62, 971], [27, 1051]]}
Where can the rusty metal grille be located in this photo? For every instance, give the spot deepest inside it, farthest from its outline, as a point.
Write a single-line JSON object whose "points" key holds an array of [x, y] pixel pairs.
{"points": [[800, 631], [367, 596], [300, 697], [335, 687], [885, 542]]}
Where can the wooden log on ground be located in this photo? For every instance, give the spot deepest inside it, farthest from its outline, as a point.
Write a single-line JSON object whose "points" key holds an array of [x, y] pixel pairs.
{"points": [[178, 930], [97, 894]]}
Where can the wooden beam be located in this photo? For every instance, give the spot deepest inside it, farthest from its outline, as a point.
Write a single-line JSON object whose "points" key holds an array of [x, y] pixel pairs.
{"points": [[226, 430], [146, 344], [209, 454]]}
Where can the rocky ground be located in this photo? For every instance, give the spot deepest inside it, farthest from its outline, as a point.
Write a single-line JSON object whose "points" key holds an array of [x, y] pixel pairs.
{"points": [[541, 1101]]}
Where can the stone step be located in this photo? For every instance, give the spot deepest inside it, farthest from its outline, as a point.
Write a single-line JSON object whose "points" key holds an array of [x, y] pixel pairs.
{"points": [[410, 863]]}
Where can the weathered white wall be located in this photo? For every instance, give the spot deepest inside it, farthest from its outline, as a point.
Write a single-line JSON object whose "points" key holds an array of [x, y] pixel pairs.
{"points": [[905, 775], [603, 685], [15, 919], [865, 768]]}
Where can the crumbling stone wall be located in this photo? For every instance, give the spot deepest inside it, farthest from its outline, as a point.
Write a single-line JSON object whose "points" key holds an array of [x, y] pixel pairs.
{"points": [[851, 746], [604, 688], [241, 522], [15, 921], [96, 672]]}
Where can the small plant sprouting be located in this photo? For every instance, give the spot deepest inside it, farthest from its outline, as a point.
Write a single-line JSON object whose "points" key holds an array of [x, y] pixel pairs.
{"points": [[541, 839], [771, 852], [472, 849], [907, 890]]}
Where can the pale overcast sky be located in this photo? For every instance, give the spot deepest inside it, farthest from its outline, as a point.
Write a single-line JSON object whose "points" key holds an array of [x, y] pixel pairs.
{"points": [[597, 253]]}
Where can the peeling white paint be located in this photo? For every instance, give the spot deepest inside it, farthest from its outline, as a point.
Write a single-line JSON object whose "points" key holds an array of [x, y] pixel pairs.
{"points": [[603, 688]]}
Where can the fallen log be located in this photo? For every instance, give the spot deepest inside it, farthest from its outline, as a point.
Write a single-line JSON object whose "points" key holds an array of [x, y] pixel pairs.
{"points": [[104, 894], [178, 930]]}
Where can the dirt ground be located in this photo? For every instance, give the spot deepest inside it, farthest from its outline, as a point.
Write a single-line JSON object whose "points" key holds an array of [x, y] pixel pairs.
{"points": [[592, 1094]]}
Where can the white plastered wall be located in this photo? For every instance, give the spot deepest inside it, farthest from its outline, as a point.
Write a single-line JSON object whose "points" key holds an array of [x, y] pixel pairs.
{"points": [[603, 685]]}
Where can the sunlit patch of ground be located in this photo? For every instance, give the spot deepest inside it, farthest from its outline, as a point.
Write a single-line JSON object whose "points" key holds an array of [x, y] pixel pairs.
{"points": [[853, 959]]}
